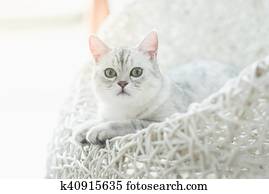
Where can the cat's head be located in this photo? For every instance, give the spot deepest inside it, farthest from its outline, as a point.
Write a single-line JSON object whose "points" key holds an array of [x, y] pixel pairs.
{"points": [[126, 75]]}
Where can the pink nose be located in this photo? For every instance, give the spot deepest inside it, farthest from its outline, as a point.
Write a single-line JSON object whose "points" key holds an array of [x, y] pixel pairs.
{"points": [[122, 84]]}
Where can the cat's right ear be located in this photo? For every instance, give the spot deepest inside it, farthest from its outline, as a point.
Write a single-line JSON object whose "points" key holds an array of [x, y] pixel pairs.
{"points": [[97, 47], [149, 45]]}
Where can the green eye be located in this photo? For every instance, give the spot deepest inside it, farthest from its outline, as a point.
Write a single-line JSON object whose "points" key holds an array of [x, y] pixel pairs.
{"points": [[110, 73], [136, 72]]}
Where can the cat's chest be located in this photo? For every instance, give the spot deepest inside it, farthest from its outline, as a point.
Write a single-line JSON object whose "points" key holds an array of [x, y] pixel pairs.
{"points": [[119, 113]]}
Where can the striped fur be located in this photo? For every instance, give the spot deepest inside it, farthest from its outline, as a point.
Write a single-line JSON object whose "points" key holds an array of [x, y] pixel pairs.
{"points": [[149, 98]]}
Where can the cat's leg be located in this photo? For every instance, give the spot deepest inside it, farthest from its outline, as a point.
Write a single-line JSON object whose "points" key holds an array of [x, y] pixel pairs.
{"points": [[100, 133], [79, 132]]}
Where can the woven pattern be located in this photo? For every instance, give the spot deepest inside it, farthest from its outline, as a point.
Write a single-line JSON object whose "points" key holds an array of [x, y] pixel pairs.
{"points": [[225, 136]]}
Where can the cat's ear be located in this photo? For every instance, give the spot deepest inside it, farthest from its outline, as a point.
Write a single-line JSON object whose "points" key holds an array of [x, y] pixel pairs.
{"points": [[97, 47], [150, 45]]}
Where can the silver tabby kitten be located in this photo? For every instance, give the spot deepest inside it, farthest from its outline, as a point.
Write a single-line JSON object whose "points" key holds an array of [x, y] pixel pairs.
{"points": [[132, 92]]}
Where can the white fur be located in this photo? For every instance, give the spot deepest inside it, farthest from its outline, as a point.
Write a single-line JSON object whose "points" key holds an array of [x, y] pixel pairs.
{"points": [[152, 97], [113, 107]]}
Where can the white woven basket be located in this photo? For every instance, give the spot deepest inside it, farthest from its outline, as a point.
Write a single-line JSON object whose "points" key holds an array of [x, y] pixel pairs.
{"points": [[225, 136]]}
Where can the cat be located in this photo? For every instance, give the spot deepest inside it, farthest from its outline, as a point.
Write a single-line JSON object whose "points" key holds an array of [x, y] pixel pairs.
{"points": [[132, 92]]}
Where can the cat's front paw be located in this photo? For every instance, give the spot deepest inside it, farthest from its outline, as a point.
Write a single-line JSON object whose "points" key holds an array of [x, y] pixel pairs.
{"points": [[99, 134], [80, 138], [80, 131]]}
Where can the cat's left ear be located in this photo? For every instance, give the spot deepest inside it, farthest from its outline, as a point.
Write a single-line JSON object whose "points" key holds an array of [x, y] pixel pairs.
{"points": [[97, 47], [149, 45]]}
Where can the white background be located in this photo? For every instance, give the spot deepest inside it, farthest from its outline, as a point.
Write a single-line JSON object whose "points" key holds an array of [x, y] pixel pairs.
{"points": [[42, 45], [214, 186]]}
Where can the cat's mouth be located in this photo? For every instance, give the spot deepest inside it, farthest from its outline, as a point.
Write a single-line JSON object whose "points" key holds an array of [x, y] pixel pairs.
{"points": [[123, 93]]}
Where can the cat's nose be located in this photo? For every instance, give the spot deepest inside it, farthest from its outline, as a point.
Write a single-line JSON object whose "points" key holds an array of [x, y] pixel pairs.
{"points": [[122, 84]]}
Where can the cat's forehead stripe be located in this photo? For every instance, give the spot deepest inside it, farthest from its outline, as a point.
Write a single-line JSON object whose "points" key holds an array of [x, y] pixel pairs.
{"points": [[117, 58], [127, 57], [122, 57]]}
